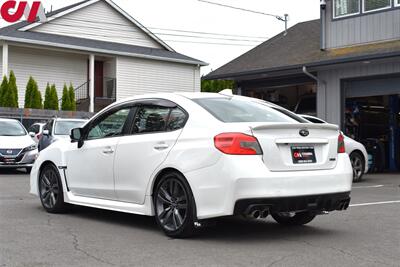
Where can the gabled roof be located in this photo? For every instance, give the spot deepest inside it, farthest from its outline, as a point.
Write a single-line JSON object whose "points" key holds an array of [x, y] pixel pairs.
{"points": [[19, 32], [300, 47]]}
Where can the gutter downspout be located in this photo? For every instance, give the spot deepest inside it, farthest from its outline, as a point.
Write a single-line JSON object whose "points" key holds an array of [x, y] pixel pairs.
{"points": [[323, 25], [319, 81]]}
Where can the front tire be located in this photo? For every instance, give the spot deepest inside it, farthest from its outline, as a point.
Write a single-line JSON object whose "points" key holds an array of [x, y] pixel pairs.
{"points": [[357, 162], [293, 219], [174, 206], [51, 191]]}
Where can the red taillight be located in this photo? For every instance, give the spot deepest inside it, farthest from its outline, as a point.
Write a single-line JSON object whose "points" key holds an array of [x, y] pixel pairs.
{"points": [[237, 144], [38, 136], [341, 146]]}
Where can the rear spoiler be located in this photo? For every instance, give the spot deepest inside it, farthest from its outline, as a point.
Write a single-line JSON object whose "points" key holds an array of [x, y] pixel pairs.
{"points": [[296, 126]]}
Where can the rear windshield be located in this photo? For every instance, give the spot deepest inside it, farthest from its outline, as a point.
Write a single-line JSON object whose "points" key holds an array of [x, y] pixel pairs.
{"points": [[65, 127], [237, 110], [11, 128]]}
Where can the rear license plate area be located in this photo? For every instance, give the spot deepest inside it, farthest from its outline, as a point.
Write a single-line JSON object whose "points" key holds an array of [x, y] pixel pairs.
{"points": [[303, 154]]}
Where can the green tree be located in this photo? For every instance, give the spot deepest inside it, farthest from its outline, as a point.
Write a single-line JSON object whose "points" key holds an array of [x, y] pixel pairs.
{"points": [[54, 97], [3, 89], [215, 86], [36, 97], [8, 99], [66, 101], [47, 97], [71, 92], [29, 91], [12, 84]]}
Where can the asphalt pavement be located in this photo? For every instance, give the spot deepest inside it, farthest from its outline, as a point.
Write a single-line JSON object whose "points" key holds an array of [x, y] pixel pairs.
{"points": [[367, 234]]}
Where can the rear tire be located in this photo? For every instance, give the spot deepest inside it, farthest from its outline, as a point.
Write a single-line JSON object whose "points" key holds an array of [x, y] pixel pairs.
{"points": [[300, 218], [174, 206], [358, 164], [51, 190]]}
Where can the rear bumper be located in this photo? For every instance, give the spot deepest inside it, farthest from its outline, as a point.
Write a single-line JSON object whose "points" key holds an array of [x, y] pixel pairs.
{"points": [[219, 189], [314, 203]]}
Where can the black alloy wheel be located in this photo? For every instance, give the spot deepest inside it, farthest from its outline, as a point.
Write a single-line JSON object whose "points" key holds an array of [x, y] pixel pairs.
{"points": [[173, 206], [50, 190]]}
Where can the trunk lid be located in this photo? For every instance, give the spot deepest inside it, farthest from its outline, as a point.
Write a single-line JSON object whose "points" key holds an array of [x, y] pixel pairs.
{"points": [[297, 146]]}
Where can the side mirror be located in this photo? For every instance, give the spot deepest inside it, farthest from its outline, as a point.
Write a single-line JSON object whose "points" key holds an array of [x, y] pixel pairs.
{"points": [[77, 136], [46, 132], [32, 134]]}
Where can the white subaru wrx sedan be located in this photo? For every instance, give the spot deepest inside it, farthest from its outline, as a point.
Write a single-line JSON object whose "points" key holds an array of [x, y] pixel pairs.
{"points": [[186, 158]]}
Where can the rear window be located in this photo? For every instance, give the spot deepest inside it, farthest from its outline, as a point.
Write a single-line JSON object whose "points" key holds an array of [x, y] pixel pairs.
{"points": [[237, 110]]}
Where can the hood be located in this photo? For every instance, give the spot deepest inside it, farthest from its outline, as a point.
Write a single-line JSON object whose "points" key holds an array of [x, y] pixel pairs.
{"points": [[16, 141]]}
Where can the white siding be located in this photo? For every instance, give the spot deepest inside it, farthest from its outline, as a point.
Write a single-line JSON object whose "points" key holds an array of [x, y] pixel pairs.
{"points": [[46, 66], [1, 61], [99, 21], [141, 76], [329, 99]]}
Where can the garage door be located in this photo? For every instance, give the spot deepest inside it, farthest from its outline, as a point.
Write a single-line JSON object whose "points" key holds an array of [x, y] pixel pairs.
{"points": [[372, 87]]}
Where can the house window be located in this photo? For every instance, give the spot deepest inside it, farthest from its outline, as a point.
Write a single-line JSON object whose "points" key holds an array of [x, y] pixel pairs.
{"points": [[344, 8], [372, 5], [397, 3]]}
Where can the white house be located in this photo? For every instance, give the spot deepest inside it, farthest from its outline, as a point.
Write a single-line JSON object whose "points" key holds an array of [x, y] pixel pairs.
{"points": [[95, 45]]}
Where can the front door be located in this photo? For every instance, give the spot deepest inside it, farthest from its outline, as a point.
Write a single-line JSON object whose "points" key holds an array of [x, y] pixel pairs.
{"points": [[90, 168], [98, 78]]}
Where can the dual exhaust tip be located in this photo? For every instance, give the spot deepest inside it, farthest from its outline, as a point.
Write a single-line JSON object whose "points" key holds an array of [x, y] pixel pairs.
{"points": [[259, 214]]}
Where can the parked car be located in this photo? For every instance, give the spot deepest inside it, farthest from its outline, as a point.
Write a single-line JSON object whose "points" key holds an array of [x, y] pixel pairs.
{"points": [[17, 149], [186, 158], [357, 152], [36, 131], [58, 129]]}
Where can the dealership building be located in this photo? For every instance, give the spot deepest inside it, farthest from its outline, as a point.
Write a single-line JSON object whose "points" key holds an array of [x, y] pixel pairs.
{"points": [[343, 67]]}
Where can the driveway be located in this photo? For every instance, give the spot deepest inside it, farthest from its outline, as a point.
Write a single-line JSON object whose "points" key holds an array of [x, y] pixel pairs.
{"points": [[368, 234]]}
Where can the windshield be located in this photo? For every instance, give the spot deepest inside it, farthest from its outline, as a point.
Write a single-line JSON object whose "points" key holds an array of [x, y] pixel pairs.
{"points": [[11, 128], [237, 110], [65, 127]]}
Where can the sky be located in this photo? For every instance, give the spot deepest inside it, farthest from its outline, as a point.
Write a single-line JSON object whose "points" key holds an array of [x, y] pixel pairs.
{"points": [[226, 25]]}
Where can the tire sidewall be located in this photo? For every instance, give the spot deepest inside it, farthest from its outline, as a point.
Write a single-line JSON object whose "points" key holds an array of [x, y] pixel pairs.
{"points": [[187, 227], [357, 154], [60, 205]]}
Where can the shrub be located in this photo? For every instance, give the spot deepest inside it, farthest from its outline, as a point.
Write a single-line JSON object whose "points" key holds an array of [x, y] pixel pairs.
{"points": [[54, 97], [3, 89], [8, 97], [66, 101], [36, 96], [12, 84], [71, 92], [28, 93], [47, 97]]}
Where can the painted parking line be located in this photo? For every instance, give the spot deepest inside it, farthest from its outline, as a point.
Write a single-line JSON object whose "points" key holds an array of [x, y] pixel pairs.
{"points": [[375, 203], [368, 186]]}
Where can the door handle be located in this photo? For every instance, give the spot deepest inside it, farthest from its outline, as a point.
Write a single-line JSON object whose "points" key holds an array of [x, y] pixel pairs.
{"points": [[108, 150], [161, 146]]}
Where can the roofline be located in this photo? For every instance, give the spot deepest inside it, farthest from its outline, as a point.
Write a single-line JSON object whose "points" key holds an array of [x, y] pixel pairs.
{"points": [[101, 51], [112, 4], [300, 66]]}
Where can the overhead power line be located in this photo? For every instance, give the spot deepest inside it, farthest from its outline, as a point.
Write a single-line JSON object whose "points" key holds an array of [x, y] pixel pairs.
{"points": [[283, 18], [167, 29]]}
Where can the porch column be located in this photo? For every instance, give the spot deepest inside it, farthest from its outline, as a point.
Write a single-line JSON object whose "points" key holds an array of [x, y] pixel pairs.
{"points": [[5, 59], [91, 82]]}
